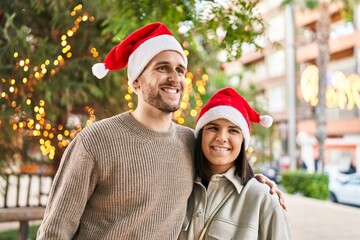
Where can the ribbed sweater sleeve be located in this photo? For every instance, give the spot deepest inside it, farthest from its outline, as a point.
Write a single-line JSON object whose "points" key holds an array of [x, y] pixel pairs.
{"points": [[120, 180], [69, 193]]}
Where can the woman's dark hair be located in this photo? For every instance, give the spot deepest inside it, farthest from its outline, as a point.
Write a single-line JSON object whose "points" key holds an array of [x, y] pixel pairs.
{"points": [[243, 168]]}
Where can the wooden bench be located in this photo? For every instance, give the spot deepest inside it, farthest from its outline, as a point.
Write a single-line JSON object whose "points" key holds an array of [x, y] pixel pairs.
{"points": [[22, 215], [23, 198]]}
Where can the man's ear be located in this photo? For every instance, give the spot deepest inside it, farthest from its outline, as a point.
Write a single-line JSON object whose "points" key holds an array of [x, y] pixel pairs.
{"points": [[136, 84]]}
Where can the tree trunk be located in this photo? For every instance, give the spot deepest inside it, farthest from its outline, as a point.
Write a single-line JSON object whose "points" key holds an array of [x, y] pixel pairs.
{"points": [[322, 36]]}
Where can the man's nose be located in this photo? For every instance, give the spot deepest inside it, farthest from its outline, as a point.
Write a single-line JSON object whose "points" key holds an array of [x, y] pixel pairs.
{"points": [[174, 76]]}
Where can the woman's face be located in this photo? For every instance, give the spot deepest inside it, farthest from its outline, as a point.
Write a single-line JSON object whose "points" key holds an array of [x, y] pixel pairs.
{"points": [[221, 144]]}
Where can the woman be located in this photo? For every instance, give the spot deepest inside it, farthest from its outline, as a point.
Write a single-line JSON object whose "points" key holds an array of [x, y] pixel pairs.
{"points": [[227, 202]]}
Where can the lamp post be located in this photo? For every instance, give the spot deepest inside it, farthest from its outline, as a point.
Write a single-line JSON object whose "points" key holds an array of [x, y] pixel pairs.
{"points": [[290, 72]]}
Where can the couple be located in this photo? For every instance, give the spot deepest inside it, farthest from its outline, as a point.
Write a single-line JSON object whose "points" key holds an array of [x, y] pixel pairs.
{"points": [[130, 176]]}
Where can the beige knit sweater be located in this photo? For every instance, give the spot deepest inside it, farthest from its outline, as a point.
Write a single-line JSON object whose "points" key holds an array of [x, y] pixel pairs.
{"points": [[121, 180]]}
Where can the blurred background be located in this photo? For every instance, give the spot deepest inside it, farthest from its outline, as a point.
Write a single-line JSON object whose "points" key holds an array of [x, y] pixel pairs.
{"points": [[297, 61]]}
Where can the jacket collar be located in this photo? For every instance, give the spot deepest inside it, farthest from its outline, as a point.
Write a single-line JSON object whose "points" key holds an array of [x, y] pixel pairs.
{"points": [[234, 179], [229, 175]]}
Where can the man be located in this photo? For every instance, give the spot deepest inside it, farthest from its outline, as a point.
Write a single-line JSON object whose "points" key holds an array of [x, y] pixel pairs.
{"points": [[129, 176]]}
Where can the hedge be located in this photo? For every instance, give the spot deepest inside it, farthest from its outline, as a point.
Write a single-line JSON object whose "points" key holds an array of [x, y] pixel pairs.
{"points": [[313, 185]]}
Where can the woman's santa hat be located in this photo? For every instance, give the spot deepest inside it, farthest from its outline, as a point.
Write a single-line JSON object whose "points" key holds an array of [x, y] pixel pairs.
{"points": [[229, 104], [137, 50]]}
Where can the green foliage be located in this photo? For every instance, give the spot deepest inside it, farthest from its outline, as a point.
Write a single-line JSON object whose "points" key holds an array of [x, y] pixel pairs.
{"points": [[13, 233], [347, 11], [312, 185], [202, 21], [310, 4], [34, 29]]}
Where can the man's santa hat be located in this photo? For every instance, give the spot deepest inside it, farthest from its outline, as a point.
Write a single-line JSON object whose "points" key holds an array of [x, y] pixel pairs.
{"points": [[229, 104], [137, 50]]}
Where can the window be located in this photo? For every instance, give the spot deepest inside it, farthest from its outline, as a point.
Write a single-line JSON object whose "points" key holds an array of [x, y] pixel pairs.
{"points": [[277, 98], [276, 63], [276, 29]]}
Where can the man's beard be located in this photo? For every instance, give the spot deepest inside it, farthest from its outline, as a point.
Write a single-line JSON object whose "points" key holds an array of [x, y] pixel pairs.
{"points": [[156, 101]]}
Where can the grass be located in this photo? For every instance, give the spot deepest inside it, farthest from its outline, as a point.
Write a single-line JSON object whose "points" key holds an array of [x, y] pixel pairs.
{"points": [[13, 233]]}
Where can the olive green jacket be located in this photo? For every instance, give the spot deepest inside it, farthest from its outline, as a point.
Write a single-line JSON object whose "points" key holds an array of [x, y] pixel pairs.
{"points": [[251, 212]]}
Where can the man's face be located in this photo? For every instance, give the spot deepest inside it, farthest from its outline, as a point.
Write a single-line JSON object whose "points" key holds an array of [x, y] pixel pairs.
{"points": [[162, 82]]}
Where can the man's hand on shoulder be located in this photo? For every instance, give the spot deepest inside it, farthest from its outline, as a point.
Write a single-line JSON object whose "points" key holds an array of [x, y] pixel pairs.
{"points": [[273, 188]]}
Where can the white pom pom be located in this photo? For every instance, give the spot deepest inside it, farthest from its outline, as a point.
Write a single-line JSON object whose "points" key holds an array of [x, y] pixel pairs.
{"points": [[99, 70], [266, 121]]}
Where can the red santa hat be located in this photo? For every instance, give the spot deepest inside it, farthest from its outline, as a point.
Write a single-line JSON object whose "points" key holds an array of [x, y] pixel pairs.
{"points": [[137, 50], [229, 104]]}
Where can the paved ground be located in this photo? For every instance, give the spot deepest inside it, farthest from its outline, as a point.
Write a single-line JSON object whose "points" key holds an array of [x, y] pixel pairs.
{"points": [[7, 226], [313, 219], [15, 225]]}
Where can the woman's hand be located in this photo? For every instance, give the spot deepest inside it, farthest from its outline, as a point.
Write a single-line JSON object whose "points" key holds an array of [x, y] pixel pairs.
{"points": [[273, 188]]}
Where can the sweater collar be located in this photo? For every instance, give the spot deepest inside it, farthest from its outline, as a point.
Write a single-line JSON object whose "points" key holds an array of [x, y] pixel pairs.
{"points": [[143, 131]]}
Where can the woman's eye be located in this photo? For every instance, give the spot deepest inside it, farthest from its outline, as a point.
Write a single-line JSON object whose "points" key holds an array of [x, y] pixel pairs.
{"points": [[235, 131], [211, 128]]}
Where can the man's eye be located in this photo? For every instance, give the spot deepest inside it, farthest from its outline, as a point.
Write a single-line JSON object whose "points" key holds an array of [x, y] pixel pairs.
{"points": [[163, 68], [180, 71]]}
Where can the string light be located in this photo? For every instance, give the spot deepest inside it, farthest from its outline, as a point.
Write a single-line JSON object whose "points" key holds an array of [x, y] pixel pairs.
{"points": [[55, 137], [342, 92], [128, 97], [191, 93], [40, 126]]}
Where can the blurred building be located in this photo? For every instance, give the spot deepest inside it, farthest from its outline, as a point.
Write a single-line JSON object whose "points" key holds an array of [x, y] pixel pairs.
{"points": [[268, 69]]}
